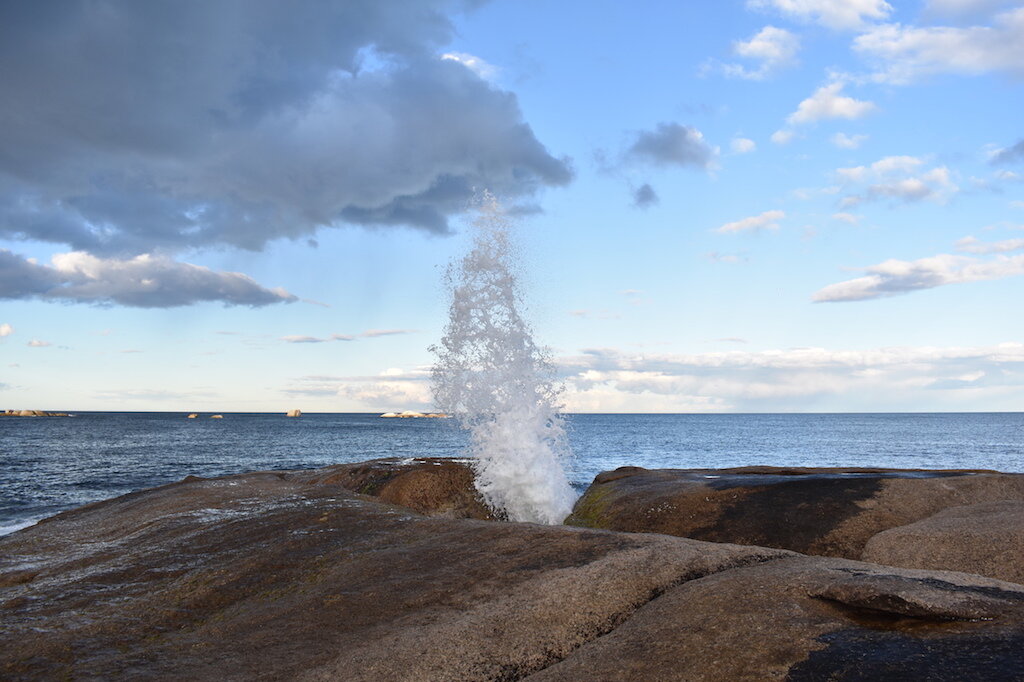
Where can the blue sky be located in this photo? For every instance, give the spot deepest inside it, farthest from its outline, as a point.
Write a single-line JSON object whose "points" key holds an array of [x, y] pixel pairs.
{"points": [[774, 205]]}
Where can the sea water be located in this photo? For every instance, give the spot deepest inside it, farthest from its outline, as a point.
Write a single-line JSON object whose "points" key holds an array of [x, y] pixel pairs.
{"points": [[49, 464]]}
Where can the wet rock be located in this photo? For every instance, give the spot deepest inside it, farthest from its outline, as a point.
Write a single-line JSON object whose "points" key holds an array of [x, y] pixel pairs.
{"points": [[814, 618], [831, 512], [986, 538], [434, 486], [272, 576]]}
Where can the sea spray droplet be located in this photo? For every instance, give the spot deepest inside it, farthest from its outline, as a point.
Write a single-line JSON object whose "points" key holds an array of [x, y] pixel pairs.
{"points": [[493, 378]]}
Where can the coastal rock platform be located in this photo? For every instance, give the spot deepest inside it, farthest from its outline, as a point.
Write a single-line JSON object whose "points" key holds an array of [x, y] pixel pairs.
{"points": [[828, 512], [292, 576]]}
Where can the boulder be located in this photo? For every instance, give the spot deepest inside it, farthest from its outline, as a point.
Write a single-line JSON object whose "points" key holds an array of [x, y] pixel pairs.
{"points": [[434, 486], [830, 512], [986, 538]]}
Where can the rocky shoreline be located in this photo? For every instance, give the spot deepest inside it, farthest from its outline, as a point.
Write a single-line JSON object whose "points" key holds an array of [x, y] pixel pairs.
{"points": [[393, 570]]}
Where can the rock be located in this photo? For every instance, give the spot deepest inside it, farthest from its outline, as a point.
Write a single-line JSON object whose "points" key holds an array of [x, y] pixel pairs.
{"points": [[267, 576], [216, 416], [830, 512], [193, 415], [294, 413], [32, 413], [289, 576], [434, 486], [986, 538], [814, 618]]}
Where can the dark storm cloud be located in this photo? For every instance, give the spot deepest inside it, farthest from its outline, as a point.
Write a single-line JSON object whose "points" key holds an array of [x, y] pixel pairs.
{"points": [[139, 127], [645, 197], [672, 144], [1010, 154], [141, 282]]}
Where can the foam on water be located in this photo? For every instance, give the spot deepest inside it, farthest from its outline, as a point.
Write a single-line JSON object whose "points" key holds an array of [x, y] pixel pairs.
{"points": [[493, 378]]}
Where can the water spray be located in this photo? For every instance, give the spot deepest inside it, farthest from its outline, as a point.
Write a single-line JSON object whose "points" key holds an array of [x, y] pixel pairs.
{"points": [[498, 384]]}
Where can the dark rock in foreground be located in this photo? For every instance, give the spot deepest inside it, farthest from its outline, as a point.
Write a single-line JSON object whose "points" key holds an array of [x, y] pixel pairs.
{"points": [[290, 576], [813, 618], [830, 512]]}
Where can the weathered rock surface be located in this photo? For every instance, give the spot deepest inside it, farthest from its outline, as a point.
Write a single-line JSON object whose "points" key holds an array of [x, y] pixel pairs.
{"points": [[290, 576], [434, 486], [830, 512], [264, 576], [986, 538], [814, 618]]}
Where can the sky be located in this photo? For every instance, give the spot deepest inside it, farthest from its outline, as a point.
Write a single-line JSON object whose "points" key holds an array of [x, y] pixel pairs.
{"points": [[760, 206]]}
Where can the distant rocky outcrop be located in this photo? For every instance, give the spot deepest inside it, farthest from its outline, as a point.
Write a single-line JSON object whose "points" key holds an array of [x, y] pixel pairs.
{"points": [[193, 415], [32, 413], [830, 512], [290, 576], [294, 413]]}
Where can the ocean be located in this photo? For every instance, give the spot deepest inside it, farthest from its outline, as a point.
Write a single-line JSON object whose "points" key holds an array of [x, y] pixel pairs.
{"points": [[48, 465]]}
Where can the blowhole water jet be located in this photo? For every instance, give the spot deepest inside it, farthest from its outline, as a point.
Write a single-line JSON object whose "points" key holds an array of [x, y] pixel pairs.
{"points": [[493, 378]]}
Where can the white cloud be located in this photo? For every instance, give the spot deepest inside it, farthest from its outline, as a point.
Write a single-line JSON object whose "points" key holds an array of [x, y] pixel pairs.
{"points": [[836, 14], [1017, 204], [847, 218], [974, 245], [719, 257], [960, 8], [146, 281], [765, 221], [774, 48], [895, 277], [36, 343], [1009, 154], [393, 389], [844, 141], [827, 102], [898, 178], [609, 379], [743, 145], [6, 330], [781, 137], [368, 334], [473, 63], [371, 333], [294, 338], [904, 53]]}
